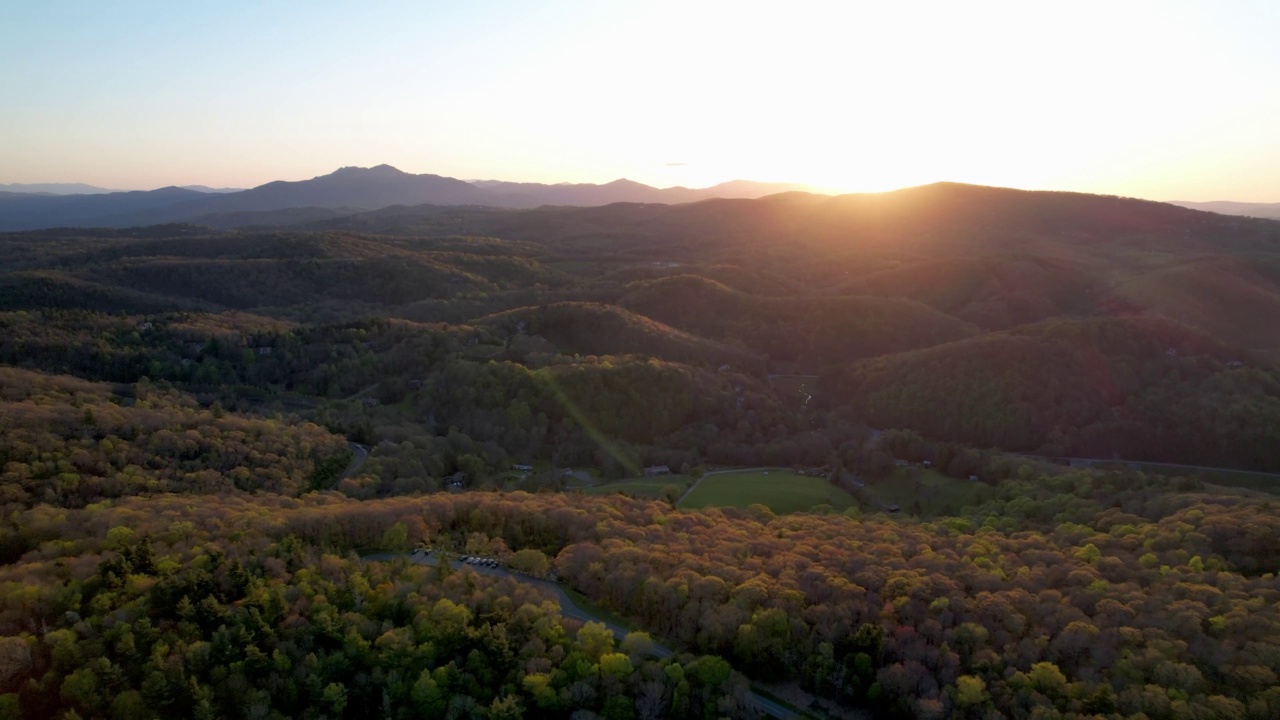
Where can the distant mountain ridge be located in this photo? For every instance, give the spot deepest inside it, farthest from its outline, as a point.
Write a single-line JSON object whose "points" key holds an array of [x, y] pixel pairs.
{"points": [[55, 188], [1226, 207], [207, 189], [346, 188]]}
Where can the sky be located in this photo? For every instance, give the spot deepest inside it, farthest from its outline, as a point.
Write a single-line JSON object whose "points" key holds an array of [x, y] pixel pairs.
{"points": [[1163, 100]]}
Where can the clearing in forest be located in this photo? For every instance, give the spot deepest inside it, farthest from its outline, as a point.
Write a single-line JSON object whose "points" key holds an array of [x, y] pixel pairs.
{"points": [[783, 491], [920, 491]]}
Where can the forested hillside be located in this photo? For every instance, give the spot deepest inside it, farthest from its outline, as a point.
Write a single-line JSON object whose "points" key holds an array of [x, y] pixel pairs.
{"points": [[1135, 388], [811, 331], [217, 449], [1153, 608], [70, 443]]}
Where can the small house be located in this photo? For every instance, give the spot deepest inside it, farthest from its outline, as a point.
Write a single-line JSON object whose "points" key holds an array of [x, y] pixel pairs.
{"points": [[522, 468], [655, 470]]}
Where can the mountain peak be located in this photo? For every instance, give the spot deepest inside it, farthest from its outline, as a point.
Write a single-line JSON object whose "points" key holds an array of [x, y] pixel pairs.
{"points": [[379, 170], [623, 182]]}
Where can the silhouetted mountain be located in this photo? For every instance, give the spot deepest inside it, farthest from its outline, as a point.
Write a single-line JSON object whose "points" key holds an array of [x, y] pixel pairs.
{"points": [[346, 189], [55, 188], [207, 189], [30, 212], [1226, 207], [529, 195]]}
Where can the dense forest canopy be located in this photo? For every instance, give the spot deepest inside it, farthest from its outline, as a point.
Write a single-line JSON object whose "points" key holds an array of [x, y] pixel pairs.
{"points": [[219, 448]]}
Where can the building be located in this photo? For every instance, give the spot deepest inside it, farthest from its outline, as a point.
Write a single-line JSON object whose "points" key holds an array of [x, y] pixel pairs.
{"points": [[522, 468], [655, 470]]}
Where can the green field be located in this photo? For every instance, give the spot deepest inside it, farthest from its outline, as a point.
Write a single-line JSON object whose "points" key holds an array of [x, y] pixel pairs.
{"points": [[783, 491], [640, 487], [927, 492], [1257, 481]]}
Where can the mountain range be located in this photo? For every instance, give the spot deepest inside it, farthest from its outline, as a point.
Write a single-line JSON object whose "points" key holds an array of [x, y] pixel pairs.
{"points": [[1058, 323], [1226, 207], [346, 190], [85, 189]]}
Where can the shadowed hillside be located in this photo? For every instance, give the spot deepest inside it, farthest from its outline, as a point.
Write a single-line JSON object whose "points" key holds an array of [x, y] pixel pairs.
{"points": [[809, 331], [1136, 388], [597, 329], [984, 315]]}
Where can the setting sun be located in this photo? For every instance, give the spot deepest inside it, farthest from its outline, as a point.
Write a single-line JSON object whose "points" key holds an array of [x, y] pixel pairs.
{"points": [[640, 360], [1149, 99]]}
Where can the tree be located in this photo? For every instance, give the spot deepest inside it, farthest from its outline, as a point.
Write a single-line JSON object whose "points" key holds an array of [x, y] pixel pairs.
{"points": [[533, 562], [596, 639], [970, 691], [396, 538], [616, 665]]}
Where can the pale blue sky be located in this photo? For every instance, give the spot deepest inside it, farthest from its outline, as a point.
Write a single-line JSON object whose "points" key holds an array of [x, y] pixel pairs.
{"points": [[1166, 100]]}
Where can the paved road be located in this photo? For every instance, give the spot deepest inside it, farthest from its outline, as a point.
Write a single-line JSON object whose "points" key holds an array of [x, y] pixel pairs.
{"points": [[1140, 463], [362, 454], [569, 608], [361, 392]]}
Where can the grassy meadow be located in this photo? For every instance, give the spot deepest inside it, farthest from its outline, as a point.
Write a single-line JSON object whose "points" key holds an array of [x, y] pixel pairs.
{"points": [[783, 491], [920, 491]]}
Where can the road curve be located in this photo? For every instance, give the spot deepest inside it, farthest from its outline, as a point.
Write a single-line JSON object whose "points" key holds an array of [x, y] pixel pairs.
{"points": [[569, 608], [362, 454]]}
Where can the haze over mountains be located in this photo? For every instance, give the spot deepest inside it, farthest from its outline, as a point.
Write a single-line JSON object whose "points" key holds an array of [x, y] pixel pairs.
{"points": [[897, 300], [1227, 207], [165, 381], [344, 191], [85, 189]]}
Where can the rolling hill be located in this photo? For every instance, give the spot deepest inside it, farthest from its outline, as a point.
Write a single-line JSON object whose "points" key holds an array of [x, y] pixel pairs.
{"points": [[809, 332], [1135, 388], [599, 329], [1036, 321], [1258, 210]]}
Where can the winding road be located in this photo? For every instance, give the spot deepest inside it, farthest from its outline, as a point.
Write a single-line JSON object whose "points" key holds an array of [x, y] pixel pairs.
{"points": [[362, 454], [569, 608]]}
